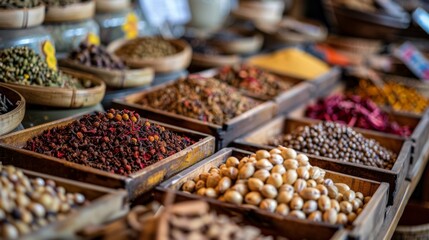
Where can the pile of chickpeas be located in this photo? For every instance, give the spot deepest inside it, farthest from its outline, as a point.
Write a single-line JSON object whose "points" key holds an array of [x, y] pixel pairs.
{"points": [[283, 182], [28, 204]]}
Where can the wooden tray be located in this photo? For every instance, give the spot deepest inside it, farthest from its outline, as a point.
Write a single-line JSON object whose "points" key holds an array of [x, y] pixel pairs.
{"points": [[299, 92], [70, 13], [104, 204], [115, 78], [135, 184], [176, 62], [210, 61], [11, 120], [224, 133], [63, 97], [22, 18], [111, 6], [365, 226], [257, 139]]}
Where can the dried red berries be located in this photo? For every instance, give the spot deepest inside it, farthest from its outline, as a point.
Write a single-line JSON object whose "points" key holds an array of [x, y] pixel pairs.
{"points": [[117, 141]]}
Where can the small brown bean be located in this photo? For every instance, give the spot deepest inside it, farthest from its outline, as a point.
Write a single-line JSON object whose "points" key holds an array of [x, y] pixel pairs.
{"points": [[261, 154], [309, 206], [255, 184], [315, 216], [275, 179], [268, 204], [269, 191], [253, 198], [261, 174], [232, 196], [346, 207], [342, 219], [283, 209], [330, 216], [296, 203], [276, 159], [232, 162], [297, 214], [264, 164], [284, 197], [288, 153]]}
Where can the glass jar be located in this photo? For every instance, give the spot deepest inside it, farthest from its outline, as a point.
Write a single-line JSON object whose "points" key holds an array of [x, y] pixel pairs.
{"points": [[33, 38], [68, 36], [123, 24]]}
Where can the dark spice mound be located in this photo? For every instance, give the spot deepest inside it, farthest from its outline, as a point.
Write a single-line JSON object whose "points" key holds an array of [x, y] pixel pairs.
{"points": [[253, 79], [333, 140], [205, 99], [116, 141], [96, 56]]}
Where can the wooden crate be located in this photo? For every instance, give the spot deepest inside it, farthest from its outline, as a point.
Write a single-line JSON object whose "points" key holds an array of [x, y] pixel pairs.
{"points": [[136, 183], [224, 134], [365, 226], [300, 91], [395, 177], [104, 204], [419, 122]]}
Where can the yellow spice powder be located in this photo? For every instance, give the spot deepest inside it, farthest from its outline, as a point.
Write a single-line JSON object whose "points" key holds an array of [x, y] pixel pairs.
{"points": [[292, 62]]}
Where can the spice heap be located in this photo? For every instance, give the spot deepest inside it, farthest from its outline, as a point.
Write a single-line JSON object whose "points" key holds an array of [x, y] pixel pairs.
{"points": [[117, 141], [21, 65], [146, 48], [96, 56], [61, 3], [193, 220], [208, 100], [5, 104], [28, 204], [333, 140], [355, 111], [292, 62], [13, 4], [253, 79], [400, 97], [283, 182]]}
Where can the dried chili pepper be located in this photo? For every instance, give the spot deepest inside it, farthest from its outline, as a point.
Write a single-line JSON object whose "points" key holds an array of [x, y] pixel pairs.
{"points": [[355, 111]]}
